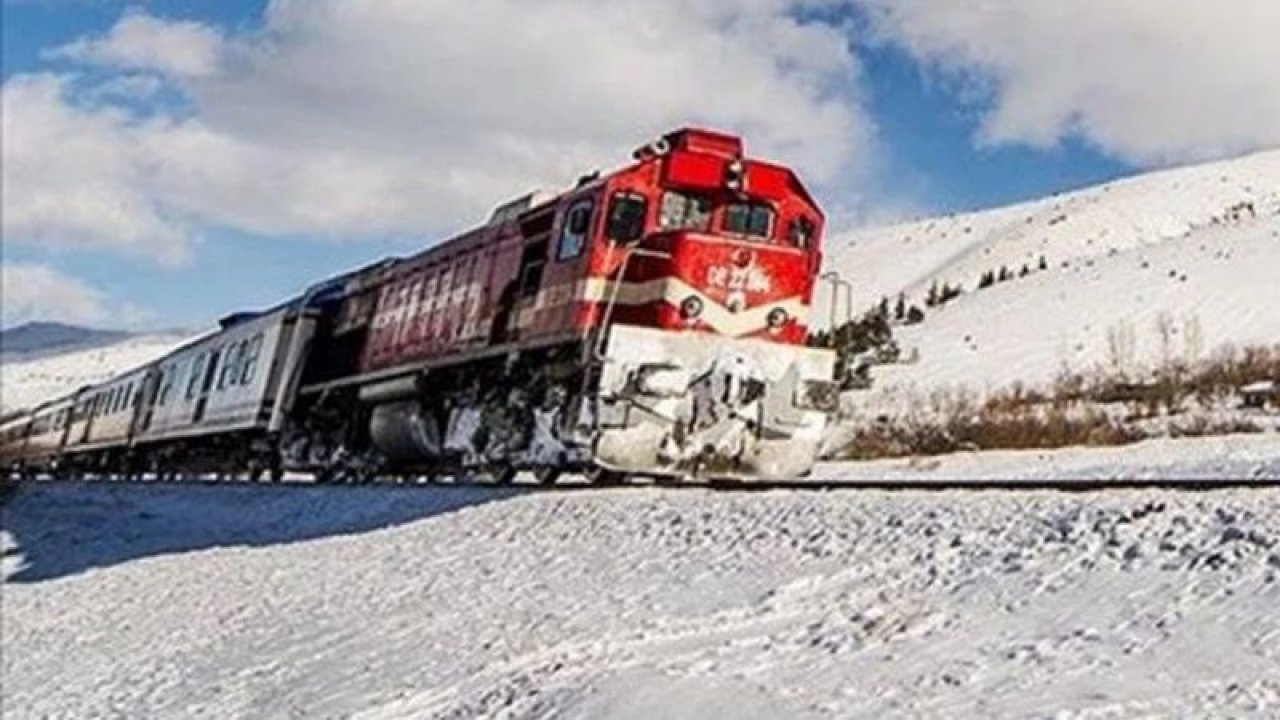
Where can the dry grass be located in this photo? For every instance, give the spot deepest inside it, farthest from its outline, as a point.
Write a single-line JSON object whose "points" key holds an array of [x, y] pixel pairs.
{"points": [[1073, 411]]}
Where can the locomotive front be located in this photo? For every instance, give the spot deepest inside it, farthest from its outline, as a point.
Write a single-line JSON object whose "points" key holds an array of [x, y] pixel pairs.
{"points": [[705, 369]]}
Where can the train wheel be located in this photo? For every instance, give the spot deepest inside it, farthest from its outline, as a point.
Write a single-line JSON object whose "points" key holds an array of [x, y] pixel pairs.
{"points": [[505, 474], [597, 475], [548, 474]]}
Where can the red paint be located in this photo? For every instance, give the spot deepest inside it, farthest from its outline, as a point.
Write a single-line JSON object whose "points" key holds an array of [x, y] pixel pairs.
{"points": [[465, 293]]}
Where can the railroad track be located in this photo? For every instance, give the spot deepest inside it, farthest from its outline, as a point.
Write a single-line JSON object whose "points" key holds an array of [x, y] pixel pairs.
{"points": [[812, 484]]}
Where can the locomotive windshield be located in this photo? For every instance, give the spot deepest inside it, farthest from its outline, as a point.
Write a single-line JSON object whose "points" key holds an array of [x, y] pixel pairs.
{"points": [[684, 211], [752, 219]]}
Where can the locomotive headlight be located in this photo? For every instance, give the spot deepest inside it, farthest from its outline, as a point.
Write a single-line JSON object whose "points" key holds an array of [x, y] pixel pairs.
{"points": [[821, 395], [691, 308], [777, 318], [661, 380], [735, 175]]}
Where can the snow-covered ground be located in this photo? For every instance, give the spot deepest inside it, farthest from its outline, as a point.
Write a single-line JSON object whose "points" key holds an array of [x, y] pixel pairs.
{"points": [[170, 601], [1250, 458], [27, 383]]}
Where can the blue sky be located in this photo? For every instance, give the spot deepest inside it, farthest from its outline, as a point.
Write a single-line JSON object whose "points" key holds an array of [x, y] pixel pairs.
{"points": [[240, 157]]}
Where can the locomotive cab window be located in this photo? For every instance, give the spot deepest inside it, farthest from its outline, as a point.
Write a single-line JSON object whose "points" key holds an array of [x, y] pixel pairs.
{"points": [[627, 213], [800, 232], [574, 230], [751, 219], [681, 211]]}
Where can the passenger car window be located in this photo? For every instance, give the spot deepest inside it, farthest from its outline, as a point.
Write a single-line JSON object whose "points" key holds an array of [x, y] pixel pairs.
{"points": [[574, 230], [627, 213], [681, 211], [751, 219], [196, 376], [251, 356]]}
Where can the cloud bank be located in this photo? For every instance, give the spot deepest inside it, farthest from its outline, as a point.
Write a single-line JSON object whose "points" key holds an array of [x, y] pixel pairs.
{"points": [[1148, 82], [343, 119]]}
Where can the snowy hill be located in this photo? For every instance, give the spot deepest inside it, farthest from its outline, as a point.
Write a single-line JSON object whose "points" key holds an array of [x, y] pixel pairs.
{"points": [[26, 380], [1095, 222], [172, 601], [34, 338], [1178, 262]]}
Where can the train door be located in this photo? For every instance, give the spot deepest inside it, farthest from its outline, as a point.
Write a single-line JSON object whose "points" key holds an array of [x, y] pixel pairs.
{"points": [[206, 384], [573, 238], [535, 230]]}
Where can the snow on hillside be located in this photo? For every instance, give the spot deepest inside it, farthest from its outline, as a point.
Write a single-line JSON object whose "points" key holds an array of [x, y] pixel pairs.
{"points": [[1170, 265], [170, 601], [1097, 221], [27, 383], [1215, 287]]}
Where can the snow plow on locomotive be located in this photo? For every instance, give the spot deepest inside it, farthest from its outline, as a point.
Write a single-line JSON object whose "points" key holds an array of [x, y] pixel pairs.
{"points": [[651, 321]]}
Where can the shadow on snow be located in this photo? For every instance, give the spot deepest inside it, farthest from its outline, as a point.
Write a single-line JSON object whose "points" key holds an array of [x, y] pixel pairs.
{"points": [[61, 529]]}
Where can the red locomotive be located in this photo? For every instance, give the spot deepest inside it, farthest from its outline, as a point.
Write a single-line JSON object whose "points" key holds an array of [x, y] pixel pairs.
{"points": [[649, 321]]}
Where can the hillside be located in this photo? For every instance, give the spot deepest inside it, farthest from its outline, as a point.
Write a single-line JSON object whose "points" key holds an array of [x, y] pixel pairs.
{"points": [[28, 380], [1095, 222], [1178, 264], [33, 339]]}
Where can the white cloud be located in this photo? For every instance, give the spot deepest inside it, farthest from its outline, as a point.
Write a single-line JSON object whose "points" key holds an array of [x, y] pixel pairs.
{"points": [[352, 119], [1150, 82], [77, 177], [30, 291], [139, 41]]}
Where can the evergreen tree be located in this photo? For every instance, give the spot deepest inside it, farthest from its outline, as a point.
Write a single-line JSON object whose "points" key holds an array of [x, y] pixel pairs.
{"points": [[900, 309], [1044, 264], [987, 280]]}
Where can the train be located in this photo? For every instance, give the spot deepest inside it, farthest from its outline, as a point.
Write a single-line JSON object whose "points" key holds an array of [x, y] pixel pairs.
{"points": [[651, 321]]}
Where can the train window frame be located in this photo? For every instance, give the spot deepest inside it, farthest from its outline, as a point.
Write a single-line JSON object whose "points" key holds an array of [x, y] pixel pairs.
{"points": [[161, 387], [227, 373], [637, 221], [196, 378], [749, 228], [253, 352], [684, 217], [575, 229]]}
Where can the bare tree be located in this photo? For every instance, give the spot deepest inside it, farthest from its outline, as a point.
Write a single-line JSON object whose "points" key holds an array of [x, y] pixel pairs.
{"points": [[1121, 348], [1165, 329], [1192, 338]]}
